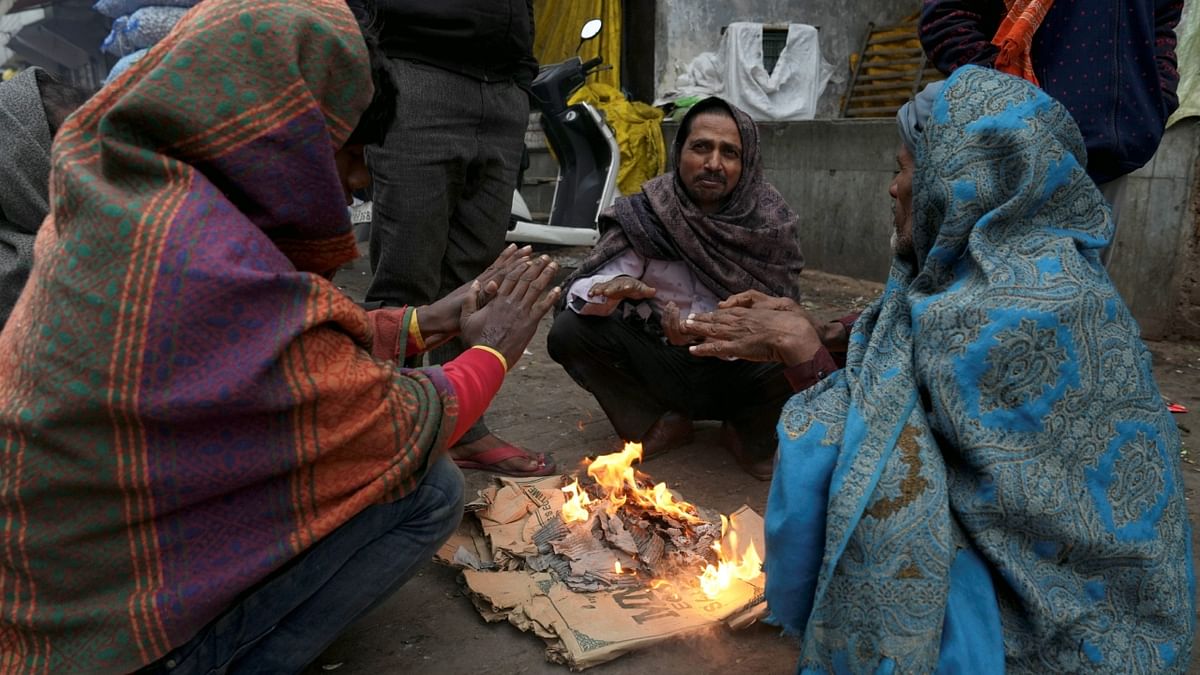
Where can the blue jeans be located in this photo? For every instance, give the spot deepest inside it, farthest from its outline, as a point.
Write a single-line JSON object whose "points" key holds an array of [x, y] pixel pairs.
{"points": [[284, 623]]}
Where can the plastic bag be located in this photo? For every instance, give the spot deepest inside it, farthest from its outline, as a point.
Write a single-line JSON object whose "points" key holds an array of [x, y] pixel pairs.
{"points": [[141, 29], [124, 64], [1188, 51], [117, 8]]}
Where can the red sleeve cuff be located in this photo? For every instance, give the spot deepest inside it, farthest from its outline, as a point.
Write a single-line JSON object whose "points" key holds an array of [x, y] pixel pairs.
{"points": [[476, 376], [804, 375]]}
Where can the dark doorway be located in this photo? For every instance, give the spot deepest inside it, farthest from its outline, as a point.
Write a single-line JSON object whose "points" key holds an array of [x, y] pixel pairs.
{"points": [[637, 49]]}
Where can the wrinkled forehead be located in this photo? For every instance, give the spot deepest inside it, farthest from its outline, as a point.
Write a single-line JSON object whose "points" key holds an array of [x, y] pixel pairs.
{"points": [[716, 126]]}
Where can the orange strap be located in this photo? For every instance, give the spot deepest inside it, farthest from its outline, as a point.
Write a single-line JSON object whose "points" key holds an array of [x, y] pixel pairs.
{"points": [[1015, 36]]}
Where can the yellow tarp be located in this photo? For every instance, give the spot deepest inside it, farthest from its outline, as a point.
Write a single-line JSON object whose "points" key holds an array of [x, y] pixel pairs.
{"points": [[556, 25], [638, 128]]}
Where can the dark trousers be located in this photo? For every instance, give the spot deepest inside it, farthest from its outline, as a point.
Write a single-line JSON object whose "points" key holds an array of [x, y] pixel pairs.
{"points": [[285, 622], [442, 185], [636, 378]]}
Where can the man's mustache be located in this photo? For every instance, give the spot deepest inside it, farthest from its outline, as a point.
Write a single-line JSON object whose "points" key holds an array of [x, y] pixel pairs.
{"points": [[717, 177]]}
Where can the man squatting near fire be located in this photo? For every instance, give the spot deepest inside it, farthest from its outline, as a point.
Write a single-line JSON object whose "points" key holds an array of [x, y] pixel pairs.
{"points": [[710, 229], [992, 483]]}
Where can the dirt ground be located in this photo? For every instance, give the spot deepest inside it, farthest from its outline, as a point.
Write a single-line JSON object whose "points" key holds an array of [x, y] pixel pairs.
{"points": [[430, 627]]}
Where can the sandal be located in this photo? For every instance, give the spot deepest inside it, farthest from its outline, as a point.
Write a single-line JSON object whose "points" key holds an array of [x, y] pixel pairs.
{"points": [[489, 460]]}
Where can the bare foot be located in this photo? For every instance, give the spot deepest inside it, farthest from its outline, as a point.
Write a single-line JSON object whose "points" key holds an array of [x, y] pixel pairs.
{"points": [[527, 463]]}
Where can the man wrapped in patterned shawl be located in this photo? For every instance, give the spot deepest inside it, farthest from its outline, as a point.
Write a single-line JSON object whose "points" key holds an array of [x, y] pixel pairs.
{"points": [[208, 457]]}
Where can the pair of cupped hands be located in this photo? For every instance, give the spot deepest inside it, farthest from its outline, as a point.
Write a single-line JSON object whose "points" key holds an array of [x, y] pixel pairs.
{"points": [[752, 326], [499, 309]]}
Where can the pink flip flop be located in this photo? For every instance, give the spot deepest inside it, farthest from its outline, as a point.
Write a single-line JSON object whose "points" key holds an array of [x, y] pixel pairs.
{"points": [[489, 460]]}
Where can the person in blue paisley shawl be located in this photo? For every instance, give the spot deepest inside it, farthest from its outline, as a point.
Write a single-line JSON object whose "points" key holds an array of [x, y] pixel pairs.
{"points": [[992, 482]]}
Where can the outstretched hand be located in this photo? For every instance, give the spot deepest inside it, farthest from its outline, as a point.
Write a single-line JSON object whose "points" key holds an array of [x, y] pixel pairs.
{"points": [[622, 288], [510, 319], [759, 300], [490, 279], [673, 326], [442, 320], [754, 334]]}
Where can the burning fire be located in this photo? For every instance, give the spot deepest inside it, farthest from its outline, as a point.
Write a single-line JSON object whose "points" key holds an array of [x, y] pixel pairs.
{"points": [[615, 475], [575, 508], [619, 485], [717, 579]]}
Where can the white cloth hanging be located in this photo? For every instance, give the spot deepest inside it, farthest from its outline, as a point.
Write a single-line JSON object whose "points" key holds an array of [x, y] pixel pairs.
{"points": [[736, 73]]}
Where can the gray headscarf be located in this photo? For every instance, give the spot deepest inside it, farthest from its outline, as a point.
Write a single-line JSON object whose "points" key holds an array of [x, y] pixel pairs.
{"points": [[25, 175], [914, 115]]}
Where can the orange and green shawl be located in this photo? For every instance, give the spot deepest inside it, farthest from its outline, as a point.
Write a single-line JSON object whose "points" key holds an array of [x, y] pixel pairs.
{"points": [[1015, 36], [185, 403]]}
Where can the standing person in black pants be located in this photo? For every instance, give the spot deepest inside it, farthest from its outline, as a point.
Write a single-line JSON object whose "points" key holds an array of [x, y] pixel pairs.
{"points": [[445, 174]]}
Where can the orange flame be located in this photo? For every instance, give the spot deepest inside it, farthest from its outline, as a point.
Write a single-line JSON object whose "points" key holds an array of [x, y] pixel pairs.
{"points": [[614, 474], [619, 486], [714, 580], [575, 510]]}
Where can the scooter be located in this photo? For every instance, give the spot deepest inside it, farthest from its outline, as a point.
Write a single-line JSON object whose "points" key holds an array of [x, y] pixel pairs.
{"points": [[587, 154]]}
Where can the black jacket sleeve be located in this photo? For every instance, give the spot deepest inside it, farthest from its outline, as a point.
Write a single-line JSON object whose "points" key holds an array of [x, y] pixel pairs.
{"points": [[529, 64], [1166, 17], [957, 32]]}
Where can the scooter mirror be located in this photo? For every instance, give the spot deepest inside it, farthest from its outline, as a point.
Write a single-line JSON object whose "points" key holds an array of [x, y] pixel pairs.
{"points": [[590, 29]]}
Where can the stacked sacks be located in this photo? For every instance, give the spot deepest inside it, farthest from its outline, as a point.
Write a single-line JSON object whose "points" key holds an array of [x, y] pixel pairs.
{"points": [[137, 26]]}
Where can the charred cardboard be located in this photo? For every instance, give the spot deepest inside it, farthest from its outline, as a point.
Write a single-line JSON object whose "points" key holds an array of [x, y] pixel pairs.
{"points": [[585, 629]]}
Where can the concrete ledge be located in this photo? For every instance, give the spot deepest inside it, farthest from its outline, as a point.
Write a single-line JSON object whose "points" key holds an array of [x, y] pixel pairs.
{"points": [[835, 174]]}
